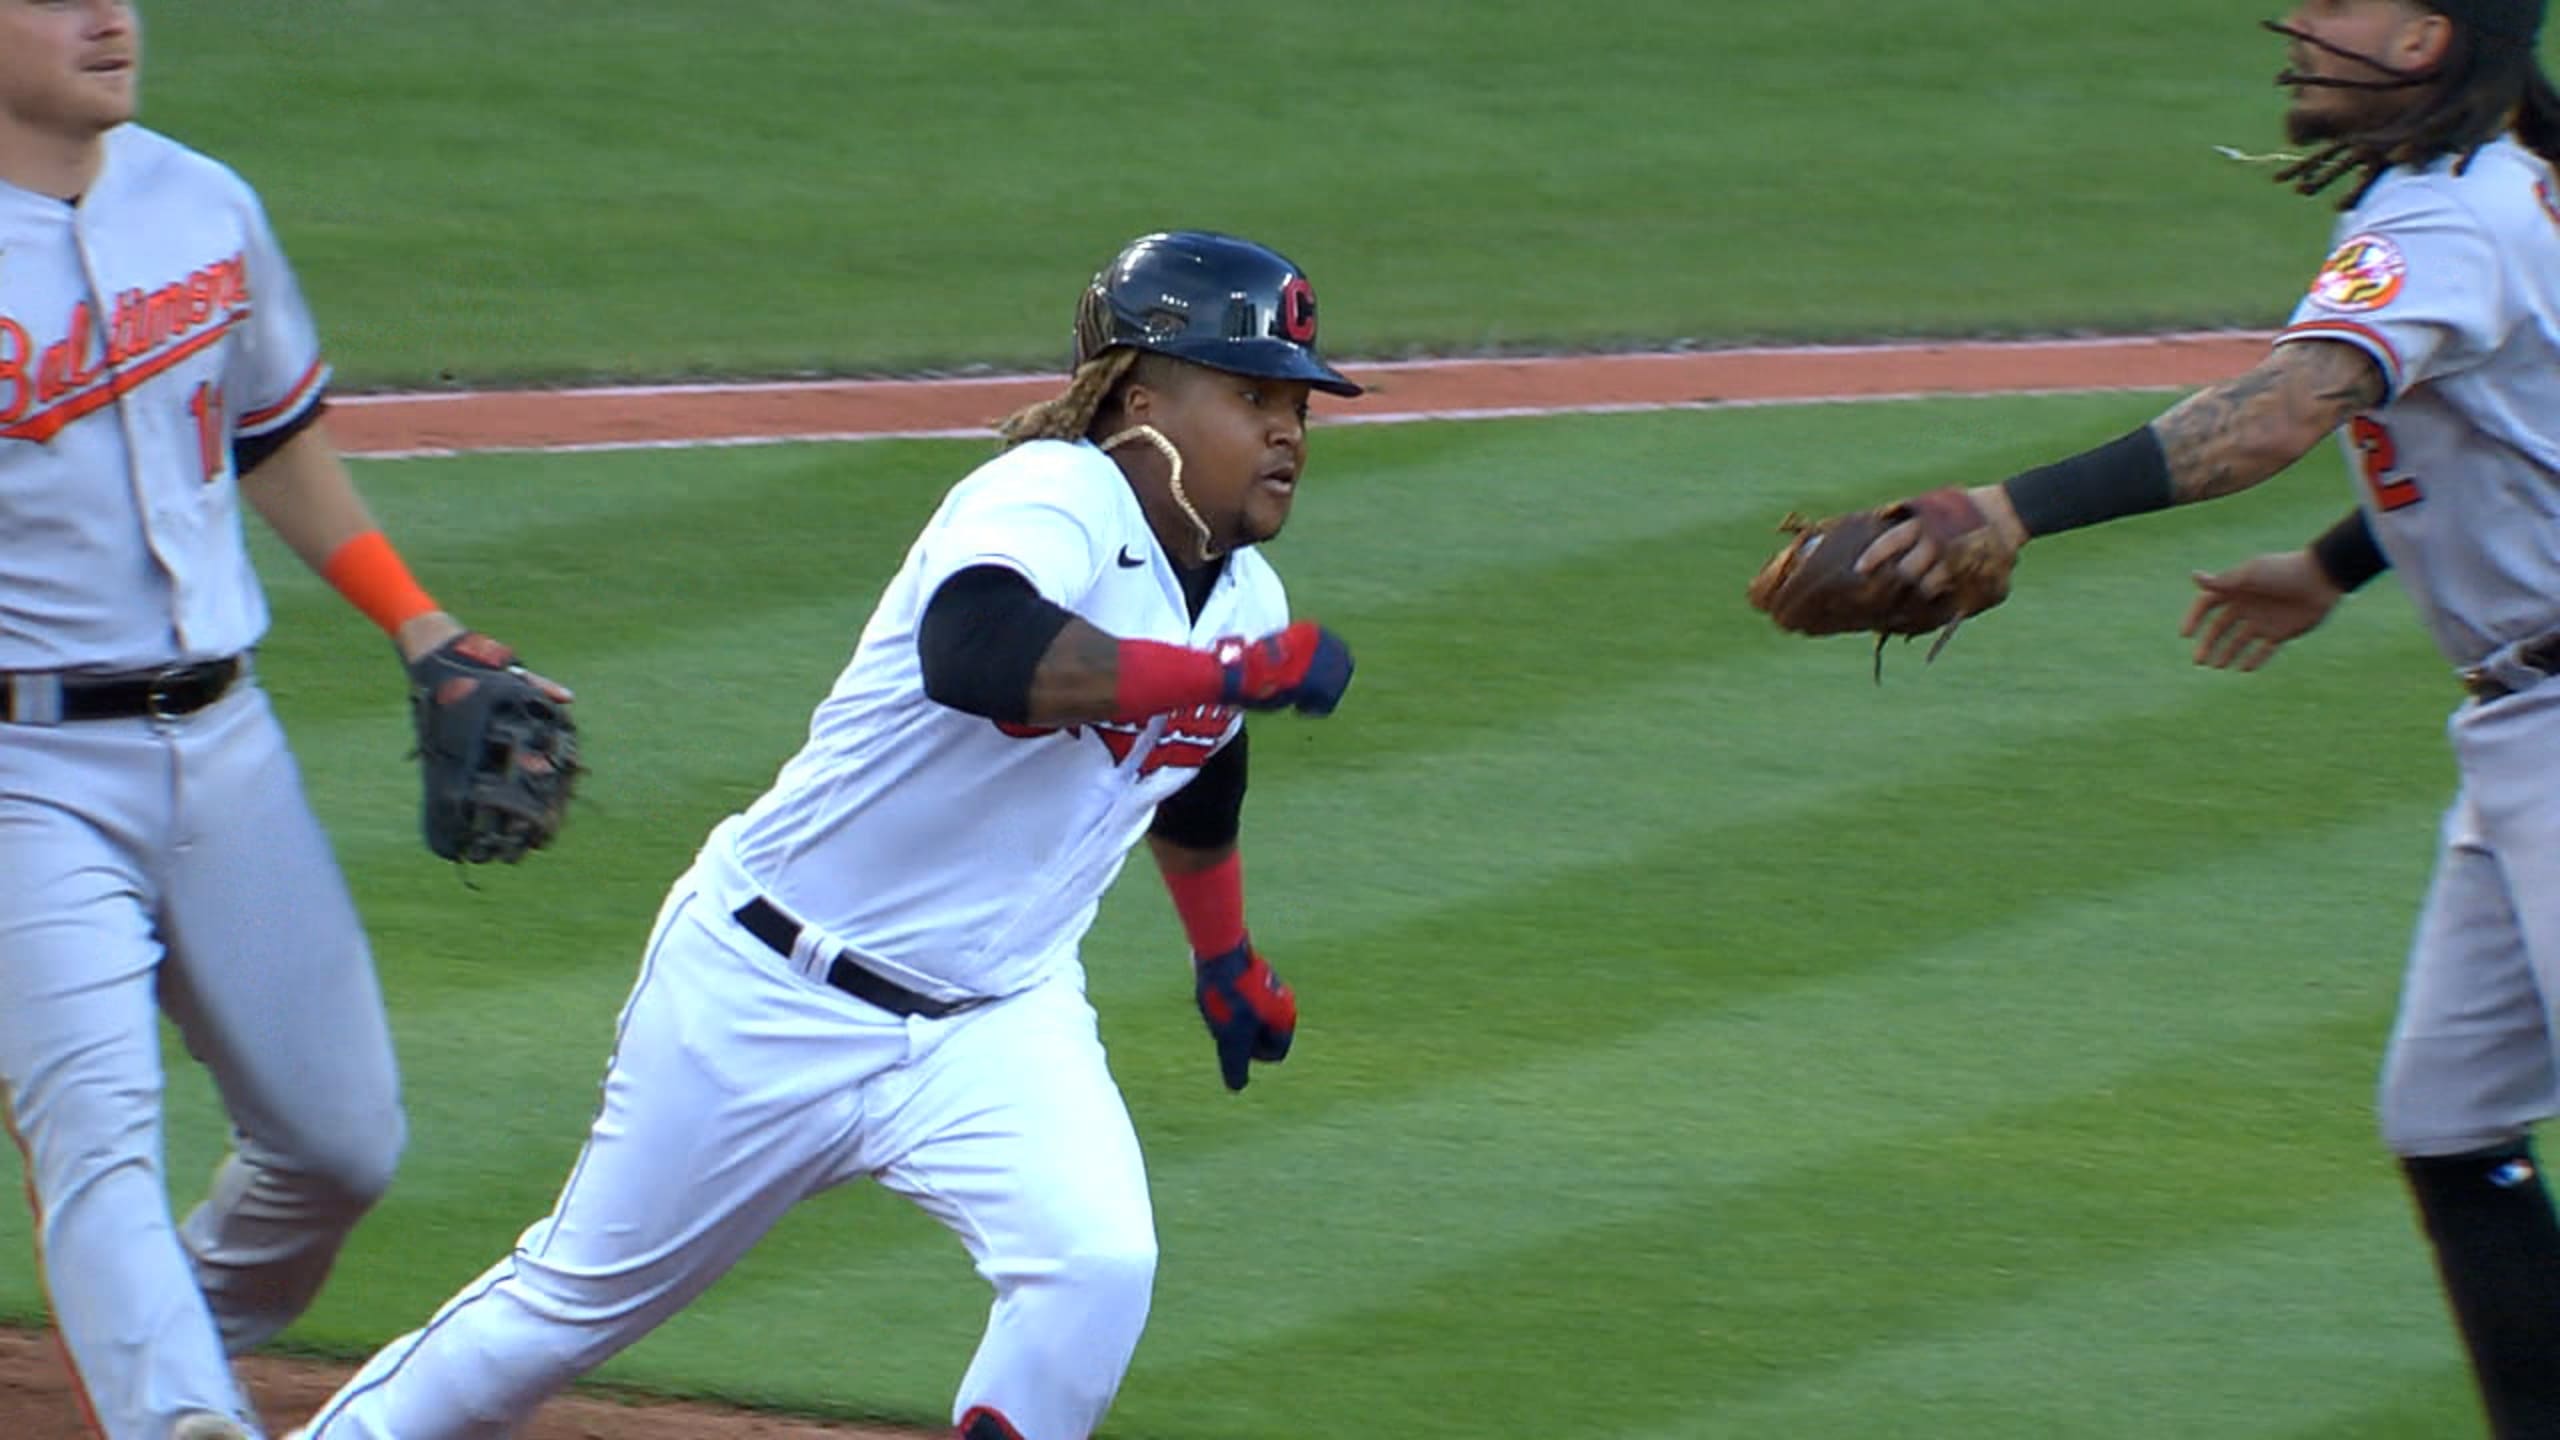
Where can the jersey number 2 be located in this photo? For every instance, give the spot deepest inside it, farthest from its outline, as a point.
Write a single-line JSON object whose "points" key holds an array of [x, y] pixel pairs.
{"points": [[206, 406], [2373, 443]]}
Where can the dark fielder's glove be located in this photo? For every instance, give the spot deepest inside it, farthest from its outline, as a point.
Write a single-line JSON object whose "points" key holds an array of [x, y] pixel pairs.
{"points": [[496, 748], [1251, 1013], [1813, 587]]}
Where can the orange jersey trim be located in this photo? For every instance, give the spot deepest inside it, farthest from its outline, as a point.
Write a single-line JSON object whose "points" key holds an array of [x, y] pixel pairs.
{"points": [[292, 401], [2318, 329]]}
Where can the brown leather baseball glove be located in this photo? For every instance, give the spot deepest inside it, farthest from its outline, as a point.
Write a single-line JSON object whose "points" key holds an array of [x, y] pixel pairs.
{"points": [[1812, 586]]}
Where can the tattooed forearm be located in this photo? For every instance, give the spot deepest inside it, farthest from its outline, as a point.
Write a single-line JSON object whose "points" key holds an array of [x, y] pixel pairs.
{"points": [[2228, 437], [2208, 436], [1077, 677]]}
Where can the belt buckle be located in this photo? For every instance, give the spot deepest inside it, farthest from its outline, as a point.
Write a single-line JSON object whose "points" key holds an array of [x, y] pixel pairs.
{"points": [[158, 702], [2480, 685]]}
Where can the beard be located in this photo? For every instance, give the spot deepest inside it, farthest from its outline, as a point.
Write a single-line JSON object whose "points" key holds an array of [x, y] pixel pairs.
{"points": [[2325, 114], [2313, 127]]}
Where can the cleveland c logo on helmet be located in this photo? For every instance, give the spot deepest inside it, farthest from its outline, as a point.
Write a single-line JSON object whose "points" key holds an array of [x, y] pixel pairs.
{"points": [[1298, 310]]}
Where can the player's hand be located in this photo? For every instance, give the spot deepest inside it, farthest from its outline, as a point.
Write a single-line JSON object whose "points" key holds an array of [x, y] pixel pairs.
{"points": [[1303, 668], [425, 635], [1908, 548], [2247, 611], [1251, 1012]]}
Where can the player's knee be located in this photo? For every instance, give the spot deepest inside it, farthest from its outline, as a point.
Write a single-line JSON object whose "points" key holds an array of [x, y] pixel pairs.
{"points": [[354, 1166], [2416, 1121], [2426, 1138], [1114, 1277], [364, 1171]]}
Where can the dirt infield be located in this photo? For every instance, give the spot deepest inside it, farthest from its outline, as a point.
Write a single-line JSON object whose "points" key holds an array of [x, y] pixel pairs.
{"points": [[36, 1401], [686, 415], [36, 1404]]}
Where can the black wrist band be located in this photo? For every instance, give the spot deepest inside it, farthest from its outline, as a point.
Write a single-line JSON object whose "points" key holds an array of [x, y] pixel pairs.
{"points": [[2347, 552], [2127, 476]]}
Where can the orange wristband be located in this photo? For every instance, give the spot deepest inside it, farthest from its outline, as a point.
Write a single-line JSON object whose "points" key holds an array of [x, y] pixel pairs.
{"points": [[375, 580]]}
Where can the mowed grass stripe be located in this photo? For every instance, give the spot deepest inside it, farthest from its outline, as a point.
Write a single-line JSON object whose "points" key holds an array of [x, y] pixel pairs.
{"points": [[1793, 1283], [1583, 937], [1699, 838], [2261, 1333], [1797, 1076], [1683, 819], [1523, 178], [639, 555], [1538, 861], [1873, 1078], [2423, 1405], [1508, 636], [690, 701]]}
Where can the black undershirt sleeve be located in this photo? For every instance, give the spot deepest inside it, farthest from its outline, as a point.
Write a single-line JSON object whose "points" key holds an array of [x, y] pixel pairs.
{"points": [[1208, 813], [248, 452], [981, 637]]}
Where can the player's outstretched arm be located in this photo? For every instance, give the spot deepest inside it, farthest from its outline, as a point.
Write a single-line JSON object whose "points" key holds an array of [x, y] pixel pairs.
{"points": [[989, 644], [2227, 437], [2219, 441]]}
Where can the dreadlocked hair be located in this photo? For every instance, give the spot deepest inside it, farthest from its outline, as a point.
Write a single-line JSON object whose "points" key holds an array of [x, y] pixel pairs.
{"points": [[1070, 415], [2489, 84]]}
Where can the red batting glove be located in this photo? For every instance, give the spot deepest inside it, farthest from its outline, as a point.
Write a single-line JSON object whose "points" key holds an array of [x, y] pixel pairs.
{"points": [[1251, 1012], [1304, 668]]}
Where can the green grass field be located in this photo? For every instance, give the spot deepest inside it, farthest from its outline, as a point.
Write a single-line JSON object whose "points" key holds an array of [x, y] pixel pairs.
{"points": [[1700, 1041], [483, 190]]}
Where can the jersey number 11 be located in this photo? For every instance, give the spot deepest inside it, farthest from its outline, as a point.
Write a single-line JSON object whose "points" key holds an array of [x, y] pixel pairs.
{"points": [[206, 406]]}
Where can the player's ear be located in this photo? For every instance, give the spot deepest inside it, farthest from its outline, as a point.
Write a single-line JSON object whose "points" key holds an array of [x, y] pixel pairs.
{"points": [[2424, 40]]}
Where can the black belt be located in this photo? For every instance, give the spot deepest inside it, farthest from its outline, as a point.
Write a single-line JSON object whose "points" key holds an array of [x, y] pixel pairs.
{"points": [[781, 934], [2542, 655], [160, 694]]}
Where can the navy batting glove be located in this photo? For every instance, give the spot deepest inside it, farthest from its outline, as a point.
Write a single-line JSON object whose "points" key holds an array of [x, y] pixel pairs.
{"points": [[1303, 668], [1251, 1012]]}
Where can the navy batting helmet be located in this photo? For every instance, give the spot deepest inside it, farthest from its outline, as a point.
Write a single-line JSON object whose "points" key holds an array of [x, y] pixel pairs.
{"points": [[1211, 299]]}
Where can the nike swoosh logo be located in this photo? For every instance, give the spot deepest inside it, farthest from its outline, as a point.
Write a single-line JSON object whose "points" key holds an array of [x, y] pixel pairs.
{"points": [[1129, 561]]}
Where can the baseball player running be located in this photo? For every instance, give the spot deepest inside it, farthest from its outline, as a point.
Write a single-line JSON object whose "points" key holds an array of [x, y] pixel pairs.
{"points": [[157, 366], [874, 970], [2430, 344]]}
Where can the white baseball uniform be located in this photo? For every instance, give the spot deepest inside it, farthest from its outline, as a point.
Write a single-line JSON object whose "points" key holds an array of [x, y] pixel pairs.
{"points": [[2452, 284], [954, 856], [150, 855]]}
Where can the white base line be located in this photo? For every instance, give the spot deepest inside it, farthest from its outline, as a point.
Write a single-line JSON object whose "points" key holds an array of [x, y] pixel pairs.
{"points": [[1391, 417], [1330, 422]]}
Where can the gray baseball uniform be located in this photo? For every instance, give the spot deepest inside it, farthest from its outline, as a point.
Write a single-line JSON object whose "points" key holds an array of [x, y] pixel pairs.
{"points": [[156, 851], [2452, 285]]}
